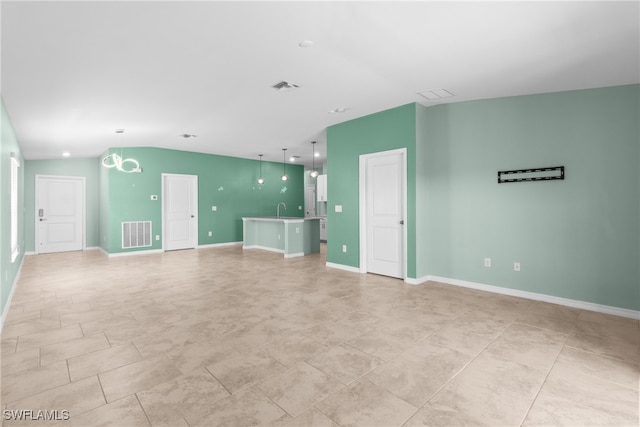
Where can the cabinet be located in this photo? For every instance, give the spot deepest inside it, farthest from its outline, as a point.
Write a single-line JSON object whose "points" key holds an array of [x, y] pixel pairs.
{"points": [[323, 229], [321, 188]]}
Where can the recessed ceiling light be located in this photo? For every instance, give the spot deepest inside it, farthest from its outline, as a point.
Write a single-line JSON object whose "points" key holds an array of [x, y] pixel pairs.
{"points": [[284, 86], [66, 154], [305, 43], [338, 110], [435, 94]]}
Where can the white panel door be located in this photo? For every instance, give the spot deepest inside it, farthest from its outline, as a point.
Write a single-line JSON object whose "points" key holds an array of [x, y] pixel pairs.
{"points": [[384, 215], [59, 213], [180, 203]]}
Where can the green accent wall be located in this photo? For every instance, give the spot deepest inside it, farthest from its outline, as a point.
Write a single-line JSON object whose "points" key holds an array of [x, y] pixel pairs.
{"points": [[578, 238], [387, 130], [87, 168], [226, 182], [9, 270]]}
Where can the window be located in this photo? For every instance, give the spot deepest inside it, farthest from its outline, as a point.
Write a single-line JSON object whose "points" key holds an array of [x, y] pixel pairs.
{"points": [[15, 249]]}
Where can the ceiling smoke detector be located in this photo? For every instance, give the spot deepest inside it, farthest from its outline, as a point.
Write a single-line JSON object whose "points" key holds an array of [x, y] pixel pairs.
{"points": [[284, 86]]}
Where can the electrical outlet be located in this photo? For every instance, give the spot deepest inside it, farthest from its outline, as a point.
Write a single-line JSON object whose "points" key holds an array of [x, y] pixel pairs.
{"points": [[297, 230], [157, 237], [210, 233], [278, 237], [299, 208], [154, 197], [516, 266], [214, 208], [338, 208], [487, 262], [344, 248]]}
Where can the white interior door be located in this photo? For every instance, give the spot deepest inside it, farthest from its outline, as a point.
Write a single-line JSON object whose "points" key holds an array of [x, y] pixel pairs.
{"points": [[59, 213], [310, 200], [384, 213], [180, 209]]}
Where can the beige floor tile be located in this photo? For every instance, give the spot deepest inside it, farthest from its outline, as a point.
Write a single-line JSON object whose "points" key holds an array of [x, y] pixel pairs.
{"points": [[380, 344], [293, 349], [490, 391], [528, 345], [344, 363], [138, 376], [606, 368], [26, 383], [416, 375], [8, 345], [52, 336], [75, 398], [102, 361], [18, 316], [84, 316], [311, 418], [299, 388], [17, 362], [332, 333], [571, 399], [468, 334], [170, 403], [248, 408], [73, 347], [365, 404], [194, 356], [245, 369], [605, 345], [558, 324], [29, 327], [125, 412]]}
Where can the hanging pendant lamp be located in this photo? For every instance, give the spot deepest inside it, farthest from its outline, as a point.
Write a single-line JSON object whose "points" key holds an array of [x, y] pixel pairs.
{"points": [[114, 160], [314, 172], [284, 176], [261, 179]]}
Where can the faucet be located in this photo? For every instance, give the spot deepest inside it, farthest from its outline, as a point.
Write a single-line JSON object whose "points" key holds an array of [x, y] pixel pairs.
{"points": [[278, 208]]}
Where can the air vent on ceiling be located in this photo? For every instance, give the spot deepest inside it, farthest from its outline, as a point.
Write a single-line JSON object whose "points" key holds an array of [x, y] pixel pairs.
{"points": [[435, 94], [284, 86]]}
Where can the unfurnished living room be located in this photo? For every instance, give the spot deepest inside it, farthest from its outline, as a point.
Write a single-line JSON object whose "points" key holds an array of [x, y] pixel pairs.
{"points": [[323, 213]]}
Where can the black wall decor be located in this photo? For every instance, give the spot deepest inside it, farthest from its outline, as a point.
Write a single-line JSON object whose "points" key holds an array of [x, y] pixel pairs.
{"points": [[533, 174]]}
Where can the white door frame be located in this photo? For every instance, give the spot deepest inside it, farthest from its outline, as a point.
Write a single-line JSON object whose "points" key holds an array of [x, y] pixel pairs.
{"points": [[163, 176], [363, 205], [36, 221]]}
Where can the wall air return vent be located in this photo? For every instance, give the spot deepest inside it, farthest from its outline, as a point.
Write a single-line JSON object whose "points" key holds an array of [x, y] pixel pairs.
{"points": [[136, 234], [284, 86]]}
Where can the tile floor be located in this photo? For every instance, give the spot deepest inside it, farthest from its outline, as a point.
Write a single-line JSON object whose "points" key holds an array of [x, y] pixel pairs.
{"points": [[222, 337]]}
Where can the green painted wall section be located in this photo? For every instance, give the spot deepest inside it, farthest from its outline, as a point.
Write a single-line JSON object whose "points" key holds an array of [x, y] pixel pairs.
{"points": [[9, 270], [103, 204], [578, 238], [387, 130], [226, 182], [87, 168]]}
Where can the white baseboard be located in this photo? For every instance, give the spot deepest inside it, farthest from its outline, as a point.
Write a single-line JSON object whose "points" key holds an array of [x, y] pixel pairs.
{"points": [[583, 305], [264, 248], [418, 281], [343, 267], [133, 253], [92, 248], [5, 309], [219, 245], [31, 253], [296, 255]]}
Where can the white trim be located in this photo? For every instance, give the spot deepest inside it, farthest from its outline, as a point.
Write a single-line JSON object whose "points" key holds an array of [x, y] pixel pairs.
{"points": [[119, 254], [5, 309], [83, 180], [418, 281], [92, 248], [30, 253], [607, 309], [264, 248], [219, 245], [343, 267], [362, 205], [296, 255]]}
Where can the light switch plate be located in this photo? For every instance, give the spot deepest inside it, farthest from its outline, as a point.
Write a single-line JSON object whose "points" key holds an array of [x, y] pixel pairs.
{"points": [[214, 208], [338, 208], [154, 197]]}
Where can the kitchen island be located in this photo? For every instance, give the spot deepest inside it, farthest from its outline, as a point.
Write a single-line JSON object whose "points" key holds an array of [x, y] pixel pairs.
{"points": [[290, 236]]}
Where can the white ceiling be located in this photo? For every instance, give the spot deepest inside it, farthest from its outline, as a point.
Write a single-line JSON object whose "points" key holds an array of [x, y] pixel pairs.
{"points": [[73, 72]]}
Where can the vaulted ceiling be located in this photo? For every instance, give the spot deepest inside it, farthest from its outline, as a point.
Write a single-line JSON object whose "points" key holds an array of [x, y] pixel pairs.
{"points": [[74, 72]]}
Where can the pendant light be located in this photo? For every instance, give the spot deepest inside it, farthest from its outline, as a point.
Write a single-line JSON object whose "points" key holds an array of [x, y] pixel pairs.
{"points": [[314, 172], [284, 176], [114, 160], [261, 179]]}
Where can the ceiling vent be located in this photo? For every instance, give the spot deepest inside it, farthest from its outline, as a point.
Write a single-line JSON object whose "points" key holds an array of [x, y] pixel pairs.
{"points": [[435, 94], [284, 86]]}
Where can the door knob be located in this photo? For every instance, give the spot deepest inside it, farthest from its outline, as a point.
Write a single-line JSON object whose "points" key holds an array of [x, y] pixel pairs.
{"points": [[402, 222], [193, 216], [43, 219]]}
